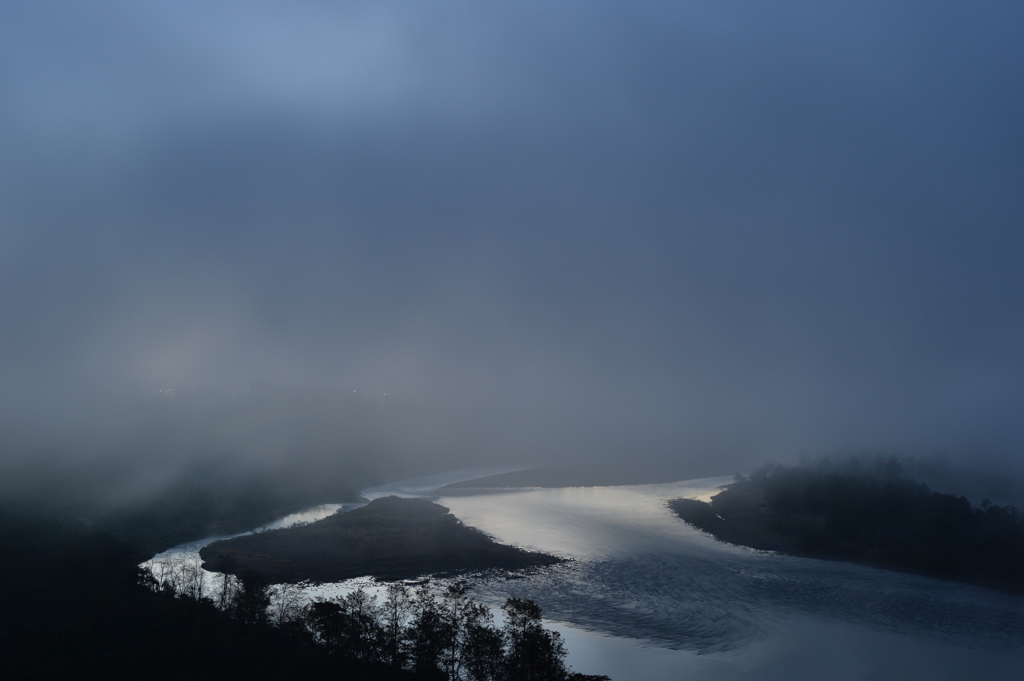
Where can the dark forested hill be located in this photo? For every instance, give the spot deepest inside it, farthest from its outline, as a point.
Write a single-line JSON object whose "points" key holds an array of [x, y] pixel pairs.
{"points": [[866, 512], [391, 537]]}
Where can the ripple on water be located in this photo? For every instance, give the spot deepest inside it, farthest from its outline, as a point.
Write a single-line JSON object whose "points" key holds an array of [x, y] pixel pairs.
{"points": [[698, 604], [641, 574]]}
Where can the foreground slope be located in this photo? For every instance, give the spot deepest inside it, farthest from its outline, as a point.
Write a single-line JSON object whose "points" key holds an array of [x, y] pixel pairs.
{"points": [[74, 605]]}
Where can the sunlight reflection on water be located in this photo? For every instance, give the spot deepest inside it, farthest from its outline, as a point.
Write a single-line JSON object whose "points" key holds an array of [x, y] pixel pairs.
{"points": [[647, 597], [589, 522]]}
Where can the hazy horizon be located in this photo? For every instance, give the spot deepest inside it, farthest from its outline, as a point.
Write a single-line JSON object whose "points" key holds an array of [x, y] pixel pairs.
{"points": [[687, 236]]}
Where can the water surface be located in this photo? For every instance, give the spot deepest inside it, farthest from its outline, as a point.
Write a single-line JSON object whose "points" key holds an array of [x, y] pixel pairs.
{"points": [[646, 597]]}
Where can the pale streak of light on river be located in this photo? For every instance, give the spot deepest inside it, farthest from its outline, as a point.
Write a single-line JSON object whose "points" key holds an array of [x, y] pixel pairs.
{"points": [[646, 597]]}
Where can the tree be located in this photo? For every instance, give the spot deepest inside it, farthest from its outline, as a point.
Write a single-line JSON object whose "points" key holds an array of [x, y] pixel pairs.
{"points": [[324, 619], [532, 652], [483, 655], [350, 626], [285, 604], [250, 600], [362, 632], [181, 575], [395, 611], [468, 626], [429, 634], [229, 583]]}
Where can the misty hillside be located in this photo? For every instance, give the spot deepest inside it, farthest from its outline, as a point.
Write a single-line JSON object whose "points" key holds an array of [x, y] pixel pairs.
{"points": [[869, 512]]}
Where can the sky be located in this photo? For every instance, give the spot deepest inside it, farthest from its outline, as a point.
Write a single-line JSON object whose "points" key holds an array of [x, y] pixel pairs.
{"points": [[711, 231]]}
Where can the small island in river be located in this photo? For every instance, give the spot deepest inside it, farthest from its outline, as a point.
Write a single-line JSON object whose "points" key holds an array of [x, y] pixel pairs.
{"points": [[389, 538], [869, 513]]}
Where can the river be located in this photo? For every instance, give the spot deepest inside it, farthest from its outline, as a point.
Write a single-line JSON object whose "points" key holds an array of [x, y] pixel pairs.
{"points": [[645, 597]]}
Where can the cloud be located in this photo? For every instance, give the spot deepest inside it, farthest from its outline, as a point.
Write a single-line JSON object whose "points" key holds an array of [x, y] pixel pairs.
{"points": [[660, 231]]}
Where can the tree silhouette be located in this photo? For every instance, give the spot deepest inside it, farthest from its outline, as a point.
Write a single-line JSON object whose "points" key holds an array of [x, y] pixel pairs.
{"points": [[533, 652], [251, 599]]}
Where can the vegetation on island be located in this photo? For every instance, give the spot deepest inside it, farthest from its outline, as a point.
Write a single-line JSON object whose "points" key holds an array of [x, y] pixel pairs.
{"points": [[868, 512], [389, 538]]}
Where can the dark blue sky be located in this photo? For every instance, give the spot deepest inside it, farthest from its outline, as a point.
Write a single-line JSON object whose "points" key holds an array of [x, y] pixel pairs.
{"points": [[620, 228]]}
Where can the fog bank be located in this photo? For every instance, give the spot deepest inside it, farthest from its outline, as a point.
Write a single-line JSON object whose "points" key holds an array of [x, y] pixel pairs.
{"points": [[650, 234]]}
